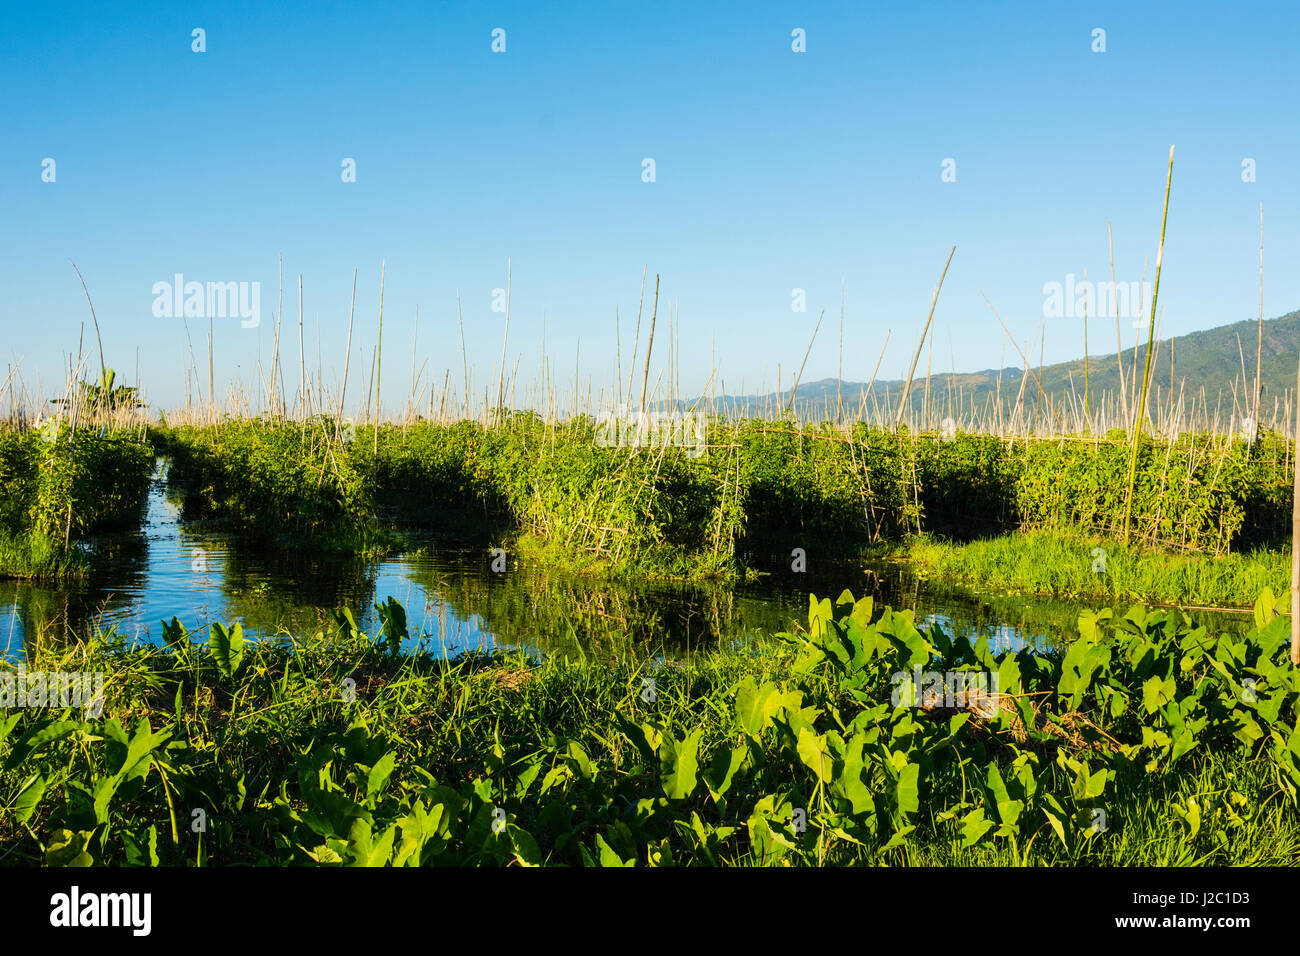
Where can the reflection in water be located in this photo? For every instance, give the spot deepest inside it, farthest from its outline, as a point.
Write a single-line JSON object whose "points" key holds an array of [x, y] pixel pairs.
{"points": [[454, 601]]}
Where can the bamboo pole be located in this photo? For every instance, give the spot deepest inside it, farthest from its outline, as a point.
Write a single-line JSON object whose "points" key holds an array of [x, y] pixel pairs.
{"points": [[794, 388], [645, 375], [505, 336], [379, 358], [1146, 371], [347, 358], [839, 375], [907, 386], [1087, 405], [302, 361], [1119, 339], [1259, 350], [1295, 538]]}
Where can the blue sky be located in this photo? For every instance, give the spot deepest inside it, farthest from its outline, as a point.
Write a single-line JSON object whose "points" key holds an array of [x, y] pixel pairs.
{"points": [[775, 170]]}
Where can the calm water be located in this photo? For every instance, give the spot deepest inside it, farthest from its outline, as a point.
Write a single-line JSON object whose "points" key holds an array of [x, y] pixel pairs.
{"points": [[454, 601]]}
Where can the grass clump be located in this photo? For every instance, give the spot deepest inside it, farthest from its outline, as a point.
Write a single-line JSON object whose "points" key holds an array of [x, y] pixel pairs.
{"points": [[1069, 565]]}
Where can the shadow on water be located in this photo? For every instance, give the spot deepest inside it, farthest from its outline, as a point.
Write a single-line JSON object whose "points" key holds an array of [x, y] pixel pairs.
{"points": [[454, 601]]}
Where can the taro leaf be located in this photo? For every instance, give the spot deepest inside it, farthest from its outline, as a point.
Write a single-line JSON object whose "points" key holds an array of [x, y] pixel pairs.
{"points": [[1008, 809], [819, 612], [6, 725], [908, 790], [392, 617], [378, 776], [678, 761], [849, 782], [346, 623], [36, 738], [327, 855], [105, 789], [645, 737], [418, 828], [1089, 622], [365, 850], [1247, 729], [526, 777], [900, 837], [1096, 784], [1086, 784], [69, 849], [723, 769], [1156, 692], [580, 762], [227, 648], [1264, 608], [28, 798], [525, 847], [1191, 816], [139, 750], [974, 826], [607, 855], [137, 855], [1008, 675], [813, 751], [174, 634], [1055, 820]]}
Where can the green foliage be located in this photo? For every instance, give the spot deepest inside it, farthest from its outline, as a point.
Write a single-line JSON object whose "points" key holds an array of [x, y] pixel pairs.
{"points": [[1148, 741], [1072, 566], [273, 481], [226, 645], [760, 488], [57, 486], [104, 397], [1194, 493]]}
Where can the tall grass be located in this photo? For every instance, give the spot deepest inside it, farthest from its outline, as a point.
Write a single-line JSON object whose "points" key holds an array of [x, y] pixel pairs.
{"points": [[1074, 566]]}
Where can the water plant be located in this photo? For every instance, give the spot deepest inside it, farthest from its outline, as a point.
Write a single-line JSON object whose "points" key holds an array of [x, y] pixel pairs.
{"points": [[1147, 741]]}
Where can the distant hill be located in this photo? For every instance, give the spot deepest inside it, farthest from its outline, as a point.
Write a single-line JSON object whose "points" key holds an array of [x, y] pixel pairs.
{"points": [[1207, 366]]}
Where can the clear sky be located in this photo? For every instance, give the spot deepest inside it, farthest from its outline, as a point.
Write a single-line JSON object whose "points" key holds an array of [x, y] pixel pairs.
{"points": [[774, 170]]}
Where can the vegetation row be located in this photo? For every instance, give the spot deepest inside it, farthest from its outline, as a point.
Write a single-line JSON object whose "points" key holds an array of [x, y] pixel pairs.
{"points": [[757, 485]]}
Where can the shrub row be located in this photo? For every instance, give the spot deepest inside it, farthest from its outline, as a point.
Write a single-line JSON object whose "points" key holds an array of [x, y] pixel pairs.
{"points": [[759, 484], [57, 486]]}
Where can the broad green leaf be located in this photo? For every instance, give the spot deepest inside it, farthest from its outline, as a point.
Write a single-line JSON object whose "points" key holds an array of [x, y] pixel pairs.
{"points": [[36, 738], [378, 776], [67, 848], [1157, 692], [816, 756], [525, 847], [29, 797], [908, 790], [1264, 607], [755, 705], [679, 764], [226, 648], [607, 855], [973, 827]]}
